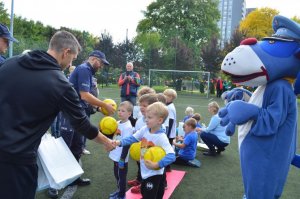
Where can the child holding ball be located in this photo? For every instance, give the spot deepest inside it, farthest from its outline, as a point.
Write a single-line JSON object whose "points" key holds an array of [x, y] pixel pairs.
{"points": [[120, 154], [153, 174]]}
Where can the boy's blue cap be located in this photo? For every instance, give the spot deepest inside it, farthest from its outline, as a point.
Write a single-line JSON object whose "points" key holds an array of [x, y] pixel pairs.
{"points": [[4, 32], [285, 28], [100, 55]]}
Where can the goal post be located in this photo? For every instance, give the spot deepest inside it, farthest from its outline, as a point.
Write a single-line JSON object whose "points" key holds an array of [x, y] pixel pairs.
{"points": [[181, 80]]}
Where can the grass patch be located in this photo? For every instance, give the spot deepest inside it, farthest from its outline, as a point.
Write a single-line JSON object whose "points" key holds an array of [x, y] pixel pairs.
{"points": [[218, 178]]}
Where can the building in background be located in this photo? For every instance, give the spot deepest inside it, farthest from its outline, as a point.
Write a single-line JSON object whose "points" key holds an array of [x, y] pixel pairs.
{"points": [[232, 12]]}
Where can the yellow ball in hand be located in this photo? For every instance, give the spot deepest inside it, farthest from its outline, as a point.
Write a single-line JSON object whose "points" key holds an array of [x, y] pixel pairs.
{"points": [[135, 151], [108, 125], [154, 154], [109, 101]]}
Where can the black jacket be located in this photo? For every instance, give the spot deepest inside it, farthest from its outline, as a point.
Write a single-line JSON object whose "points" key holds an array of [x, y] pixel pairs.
{"points": [[33, 90]]}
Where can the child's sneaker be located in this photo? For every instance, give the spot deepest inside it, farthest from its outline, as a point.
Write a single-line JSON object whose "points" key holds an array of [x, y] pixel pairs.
{"points": [[114, 194], [136, 189], [133, 183]]}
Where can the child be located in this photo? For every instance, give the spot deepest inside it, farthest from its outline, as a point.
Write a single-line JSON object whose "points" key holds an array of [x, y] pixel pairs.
{"points": [[120, 154], [153, 175], [171, 95], [142, 91], [144, 101], [189, 112], [188, 145], [197, 117]]}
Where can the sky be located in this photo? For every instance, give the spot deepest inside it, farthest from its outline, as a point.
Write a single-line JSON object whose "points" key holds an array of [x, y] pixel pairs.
{"points": [[111, 16]]}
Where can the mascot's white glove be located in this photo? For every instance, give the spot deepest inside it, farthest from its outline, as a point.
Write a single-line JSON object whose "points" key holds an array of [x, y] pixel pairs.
{"points": [[236, 113]]}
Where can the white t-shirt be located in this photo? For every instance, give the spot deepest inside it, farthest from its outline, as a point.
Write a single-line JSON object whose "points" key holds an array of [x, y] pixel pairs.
{"points": [[140, 123], [172, 115], [124, 130], [149, 139]]}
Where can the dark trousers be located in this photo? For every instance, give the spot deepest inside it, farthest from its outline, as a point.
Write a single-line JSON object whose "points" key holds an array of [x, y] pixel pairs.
{"points": [[153, 187], [18, 181], [181, 161], [139, 175], [74, 141], [121, 176], [212, 141]]}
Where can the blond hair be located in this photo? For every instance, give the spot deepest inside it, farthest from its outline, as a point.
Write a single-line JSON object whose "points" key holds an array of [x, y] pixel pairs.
{"points": [[170, 93], [189, 111], [145, 90], [128, 105], [158, 109], [215, 106]]}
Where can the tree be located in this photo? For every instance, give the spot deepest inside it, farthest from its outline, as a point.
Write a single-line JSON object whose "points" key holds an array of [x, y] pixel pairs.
{"points": [[183, 27], [258, 23], [296, 19], [194, 20], [211, 55]]}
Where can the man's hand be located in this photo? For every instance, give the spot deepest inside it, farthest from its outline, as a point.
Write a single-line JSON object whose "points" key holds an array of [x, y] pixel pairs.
{"points": [[110, 109]]}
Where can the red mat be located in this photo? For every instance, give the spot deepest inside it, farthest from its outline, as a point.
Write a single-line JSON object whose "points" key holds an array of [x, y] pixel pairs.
{"points": [[173, 179]]}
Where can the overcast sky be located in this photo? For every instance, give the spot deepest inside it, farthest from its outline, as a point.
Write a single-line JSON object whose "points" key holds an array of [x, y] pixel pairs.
{"points": [[112, 16]]}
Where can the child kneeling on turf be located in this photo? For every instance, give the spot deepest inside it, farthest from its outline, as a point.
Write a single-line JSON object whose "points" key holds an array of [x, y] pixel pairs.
{"points": [[188, 144], [153, 175], [120, 154]]}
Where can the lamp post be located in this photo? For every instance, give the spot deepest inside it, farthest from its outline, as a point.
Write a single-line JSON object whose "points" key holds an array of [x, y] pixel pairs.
{"points": [[175, 47], [11, 28]]}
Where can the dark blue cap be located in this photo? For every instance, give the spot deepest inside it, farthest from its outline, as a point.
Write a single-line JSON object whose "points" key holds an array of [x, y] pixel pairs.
{"points": [[4, 32], [100, 55], [286, 28]]}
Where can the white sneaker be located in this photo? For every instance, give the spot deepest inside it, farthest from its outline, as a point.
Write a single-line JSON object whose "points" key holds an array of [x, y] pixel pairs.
{"points": [[86, 152]]}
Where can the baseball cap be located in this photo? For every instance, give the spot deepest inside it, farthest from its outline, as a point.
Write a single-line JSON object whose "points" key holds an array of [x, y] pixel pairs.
{"points": [[4, 32], [100, 55]]}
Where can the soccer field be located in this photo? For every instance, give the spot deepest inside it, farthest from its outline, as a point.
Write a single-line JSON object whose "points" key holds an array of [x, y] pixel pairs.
{"points": [[218, 177]]}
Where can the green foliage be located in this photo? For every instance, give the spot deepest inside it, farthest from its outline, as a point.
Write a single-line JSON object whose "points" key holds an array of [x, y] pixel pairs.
{"points": [[212, 57], [258, 23]]}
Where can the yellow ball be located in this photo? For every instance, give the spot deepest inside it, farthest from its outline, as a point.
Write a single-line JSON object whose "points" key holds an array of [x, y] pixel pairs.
{"points": [[108, 125], [109, 101], [135, 151], [154, 154]]}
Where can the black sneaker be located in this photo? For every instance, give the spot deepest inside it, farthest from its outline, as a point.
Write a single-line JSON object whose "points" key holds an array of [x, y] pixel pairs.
{"points": [[53, 193], [81, 182]]}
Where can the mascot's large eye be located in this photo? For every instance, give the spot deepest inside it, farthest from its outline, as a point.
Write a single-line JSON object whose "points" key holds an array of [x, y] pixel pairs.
{"points": [[271, 41]]}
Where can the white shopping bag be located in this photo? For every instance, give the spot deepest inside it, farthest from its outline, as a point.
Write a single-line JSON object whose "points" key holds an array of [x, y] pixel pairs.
{"points": [[180, 129], [59, 164], [43, 182]]}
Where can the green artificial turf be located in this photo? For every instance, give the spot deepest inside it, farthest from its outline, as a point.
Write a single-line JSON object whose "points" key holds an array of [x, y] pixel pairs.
{"points": [[218, 178]]}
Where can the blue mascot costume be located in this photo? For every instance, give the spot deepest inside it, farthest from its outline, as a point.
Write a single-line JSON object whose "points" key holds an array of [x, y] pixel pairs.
{"points": [[267, 126]]}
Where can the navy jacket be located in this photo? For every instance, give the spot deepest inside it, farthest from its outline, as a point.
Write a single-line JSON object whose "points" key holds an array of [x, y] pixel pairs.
{"points": [[33, 90]]}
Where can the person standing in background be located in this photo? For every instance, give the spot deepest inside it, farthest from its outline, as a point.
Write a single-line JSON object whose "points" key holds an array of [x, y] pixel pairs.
{"points": [[129, 82], [5, 37], [219, 87]]}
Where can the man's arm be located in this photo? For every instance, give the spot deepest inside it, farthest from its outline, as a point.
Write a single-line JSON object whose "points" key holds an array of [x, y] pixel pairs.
{"points": [[89, 98]]}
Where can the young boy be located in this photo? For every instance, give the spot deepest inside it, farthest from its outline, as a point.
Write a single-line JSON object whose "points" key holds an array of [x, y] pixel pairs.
{"points": [[171, 95], [188, 144], [153, 175], [120, 154], [144, 101]]}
